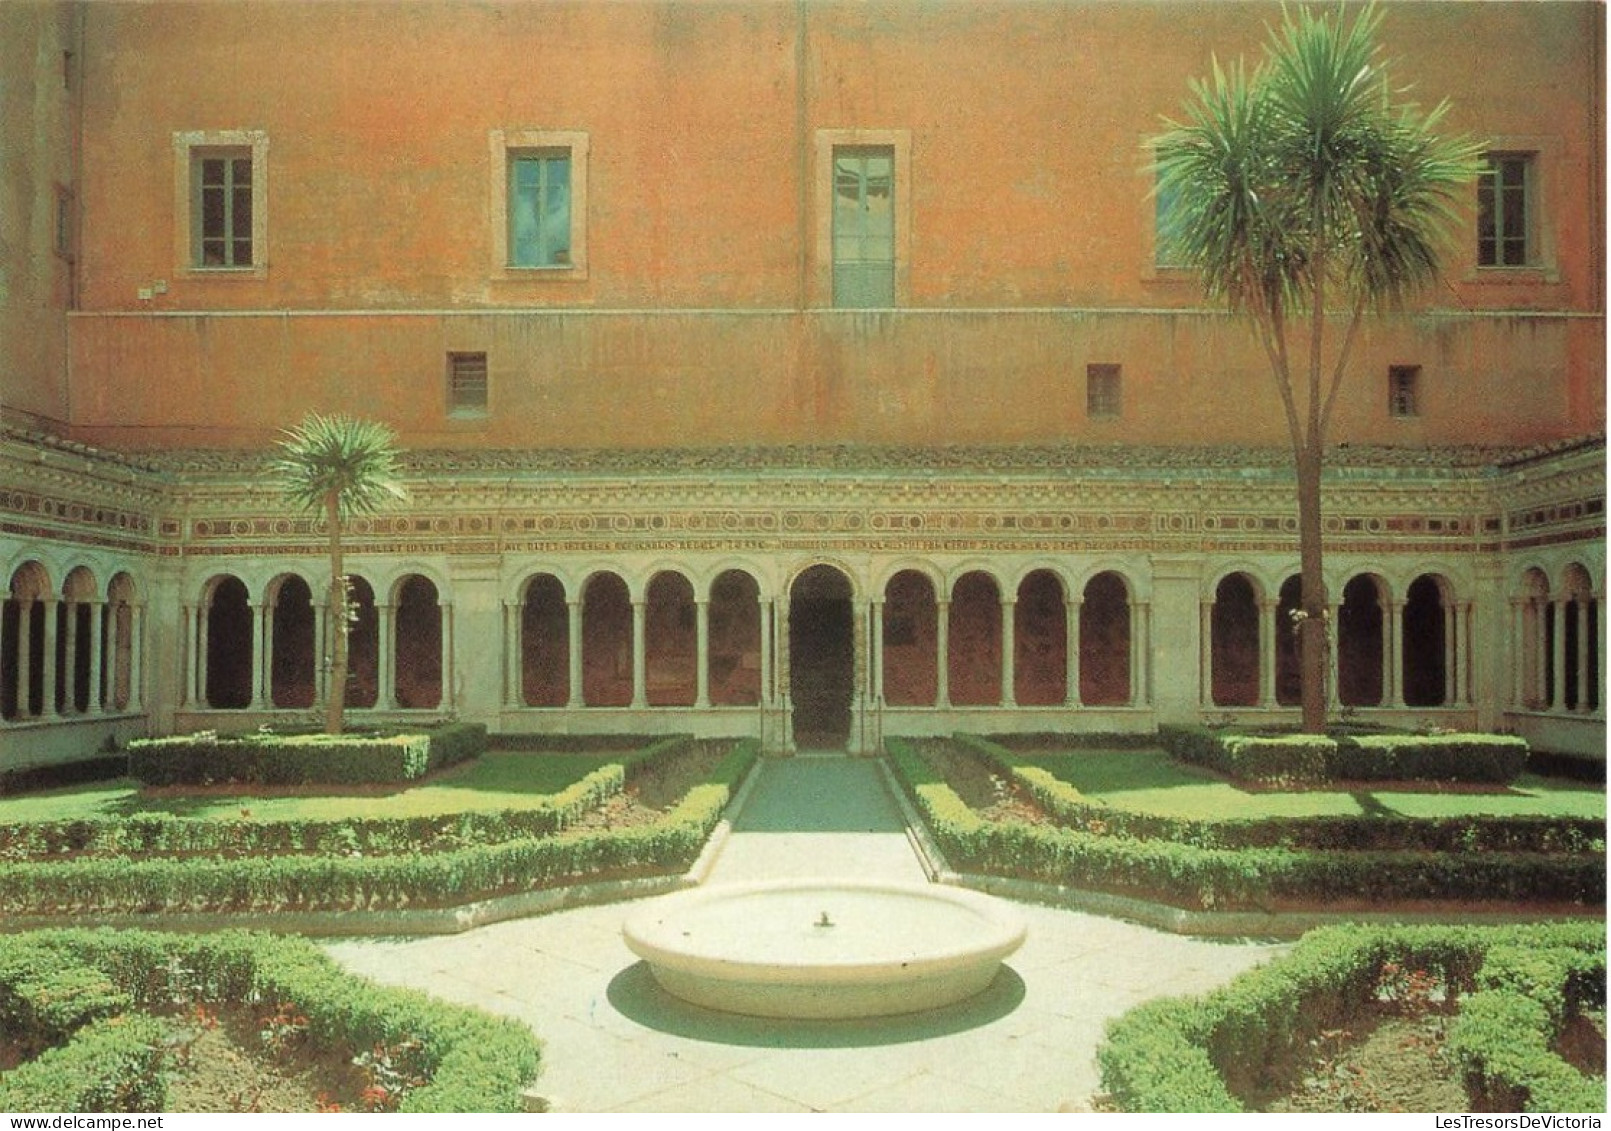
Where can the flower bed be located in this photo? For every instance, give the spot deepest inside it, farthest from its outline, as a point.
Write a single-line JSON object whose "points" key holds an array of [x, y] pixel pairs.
{"points": [[1263, 878], [1218, 1052], [340, 880], [111, 1049]]}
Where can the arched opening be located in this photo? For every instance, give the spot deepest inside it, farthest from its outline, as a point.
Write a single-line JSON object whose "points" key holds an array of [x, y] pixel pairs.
{"points": [[1288, 663], [118, 646], [974, 643], [1040, 641], [735, 640], [22, 642], [78, 666], [363, 645], [418, 631], [229, 645], [1105, 642], [671, 642], [606, 642], [1360, 628], [1426, 644], [821, 657], [1235, 646], [911, 665], [293, 674], [545, 643], [1581, 646]]}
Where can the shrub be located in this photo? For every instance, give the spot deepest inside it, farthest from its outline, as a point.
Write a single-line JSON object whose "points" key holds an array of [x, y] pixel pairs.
{"points": [[470, 1061], [1218, 1052], [1305, 758], [113, 1064], [1206, 877], [267, 758]]}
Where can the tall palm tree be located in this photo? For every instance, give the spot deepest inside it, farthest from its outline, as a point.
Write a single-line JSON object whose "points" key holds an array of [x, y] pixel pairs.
{"points": [[339, 467], [1298, 187]]}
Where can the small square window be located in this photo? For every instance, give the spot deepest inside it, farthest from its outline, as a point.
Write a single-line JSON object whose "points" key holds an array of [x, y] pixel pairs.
{"points": [[1505, 205], [1403, 390], [1102, 391], [467, 384]]}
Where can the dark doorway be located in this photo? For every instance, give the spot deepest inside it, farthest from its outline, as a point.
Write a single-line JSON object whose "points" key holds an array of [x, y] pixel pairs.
{"points": [[821, 657]]}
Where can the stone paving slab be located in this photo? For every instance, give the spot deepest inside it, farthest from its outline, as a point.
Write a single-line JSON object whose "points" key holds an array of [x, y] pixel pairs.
{"points": [[614, 1041]]}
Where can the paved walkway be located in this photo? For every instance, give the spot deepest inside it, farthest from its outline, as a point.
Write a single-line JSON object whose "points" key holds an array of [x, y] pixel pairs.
{"points": [[615, 1042]]}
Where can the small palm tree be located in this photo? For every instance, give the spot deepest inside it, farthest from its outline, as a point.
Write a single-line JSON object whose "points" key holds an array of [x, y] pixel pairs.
{"points": [[1298, 186], [338, 467]]}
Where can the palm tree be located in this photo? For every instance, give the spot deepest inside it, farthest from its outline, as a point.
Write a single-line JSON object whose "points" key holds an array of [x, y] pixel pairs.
{"points": [[1301, 185], [339, 467]]}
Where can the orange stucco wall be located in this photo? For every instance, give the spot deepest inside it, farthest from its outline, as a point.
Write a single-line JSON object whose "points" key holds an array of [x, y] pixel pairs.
{"points": [[700, 317]]}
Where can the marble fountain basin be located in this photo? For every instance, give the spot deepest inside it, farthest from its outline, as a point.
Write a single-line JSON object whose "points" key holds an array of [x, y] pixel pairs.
{"points": [[811, 949]]}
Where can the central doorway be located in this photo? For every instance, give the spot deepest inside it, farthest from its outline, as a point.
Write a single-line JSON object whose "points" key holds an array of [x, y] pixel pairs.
{"points": [[821, 658]]}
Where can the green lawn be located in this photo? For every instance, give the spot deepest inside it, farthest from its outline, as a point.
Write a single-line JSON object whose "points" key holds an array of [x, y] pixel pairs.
{"points": [[1148, 781], [493, 781]]}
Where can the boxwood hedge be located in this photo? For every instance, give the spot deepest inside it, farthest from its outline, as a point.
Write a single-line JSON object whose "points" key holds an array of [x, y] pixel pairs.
{"points": [[1311, 758], [471, 1061], [270, 758], [1218, 1052]]}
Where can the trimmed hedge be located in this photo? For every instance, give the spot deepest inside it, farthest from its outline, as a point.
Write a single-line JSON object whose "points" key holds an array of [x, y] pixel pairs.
{"points": [[1066, 805], [268, 758], [1194, 877], [1217, 1052], [1312, 758], [472, 1062], [340, 883], [1503, 1036]]}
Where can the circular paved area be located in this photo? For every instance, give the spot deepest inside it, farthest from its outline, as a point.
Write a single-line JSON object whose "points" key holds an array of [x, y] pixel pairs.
{"points": [[613, 1041]]}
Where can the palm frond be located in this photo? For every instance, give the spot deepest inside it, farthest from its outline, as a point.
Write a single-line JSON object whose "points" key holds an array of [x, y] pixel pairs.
{"points": [[355, 461]]}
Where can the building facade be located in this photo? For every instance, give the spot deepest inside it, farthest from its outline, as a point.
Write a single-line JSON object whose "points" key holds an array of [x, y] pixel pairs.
{"points": [[810, 370]]}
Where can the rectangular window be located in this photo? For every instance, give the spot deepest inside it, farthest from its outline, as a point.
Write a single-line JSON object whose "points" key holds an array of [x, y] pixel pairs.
{"points": [[221, 209], [1403, 389], [1504, 206], [1166, 225], [863, 226], [1102, 391], [540, 208], [467, 384]]}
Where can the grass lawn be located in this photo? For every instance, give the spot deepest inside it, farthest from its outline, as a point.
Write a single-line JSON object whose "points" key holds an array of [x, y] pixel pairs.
{"points": [[1148, 781], [492, 781]]}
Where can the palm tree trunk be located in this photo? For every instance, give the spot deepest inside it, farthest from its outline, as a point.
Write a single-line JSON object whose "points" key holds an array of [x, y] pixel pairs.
{"points": [[336, 703], [1312, 628]]}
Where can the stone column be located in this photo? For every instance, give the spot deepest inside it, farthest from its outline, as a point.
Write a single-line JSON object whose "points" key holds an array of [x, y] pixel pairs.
{"points": [[1558, 692], [514, 648], [69, 674], [1333, 657], [263, 658], [1599, 610], [25, 632], [876, 661], [702, 652], [1268, 612], [1460, 653], [449, 668], [1582, 607], [47, 705], [203, 628], [1071, 612], [1009, 643], [321, 648], [768, 691], [1137, 658], [1516, 649], [385, 658], [97, 694], [1205, 655], [942, 649], [1393, 655], [573, 609], [640, 656], [1541, 655], [136, 658]]}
